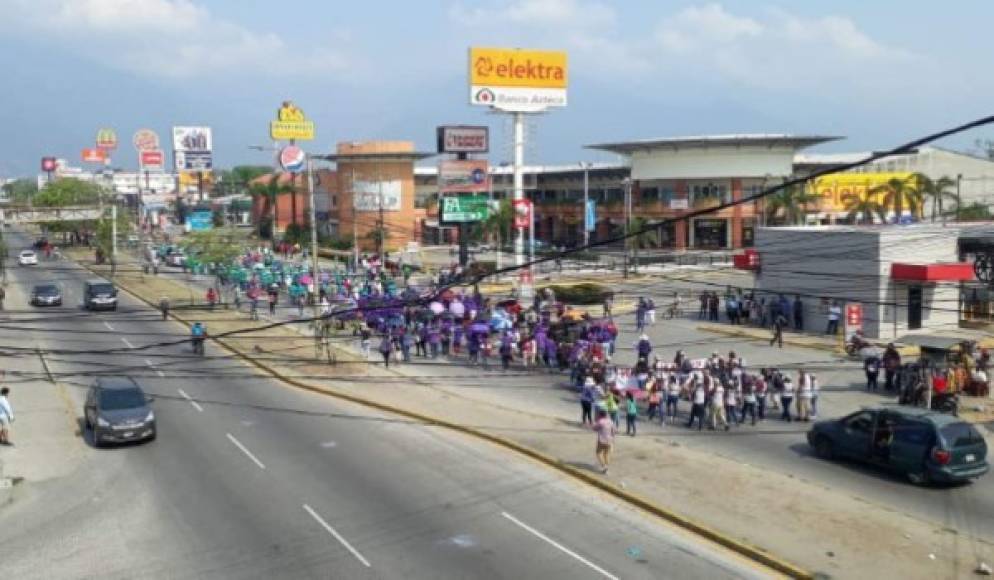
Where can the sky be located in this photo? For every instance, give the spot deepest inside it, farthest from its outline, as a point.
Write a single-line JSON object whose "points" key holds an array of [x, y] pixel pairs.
{"points": [[878, 73]]}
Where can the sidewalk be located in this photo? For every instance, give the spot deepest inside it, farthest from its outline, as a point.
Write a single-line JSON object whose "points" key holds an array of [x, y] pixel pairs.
{"points": [[806, 523]]}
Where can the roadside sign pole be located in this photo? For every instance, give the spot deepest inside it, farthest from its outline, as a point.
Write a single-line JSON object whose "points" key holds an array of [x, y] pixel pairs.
{"points": [[314, 239], [519, 194], [113, 237]]}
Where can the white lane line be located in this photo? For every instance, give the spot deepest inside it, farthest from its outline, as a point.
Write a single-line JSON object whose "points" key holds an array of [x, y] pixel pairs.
{"points": [[559, 546], [149, 363], [109, 327], [125, 341], [239, 445], [161, 374], [338, 536], [195, 404]]}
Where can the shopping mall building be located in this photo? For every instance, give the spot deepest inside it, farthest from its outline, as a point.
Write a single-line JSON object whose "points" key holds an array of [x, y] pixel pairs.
{"points": [[666, 178]]}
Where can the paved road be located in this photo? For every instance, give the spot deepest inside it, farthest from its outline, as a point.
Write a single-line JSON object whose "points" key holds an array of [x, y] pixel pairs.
{"points": [[251, 479]]}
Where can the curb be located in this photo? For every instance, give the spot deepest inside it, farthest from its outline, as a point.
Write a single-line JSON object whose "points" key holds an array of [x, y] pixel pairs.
{"points": [[786, 340], [749, 551]]}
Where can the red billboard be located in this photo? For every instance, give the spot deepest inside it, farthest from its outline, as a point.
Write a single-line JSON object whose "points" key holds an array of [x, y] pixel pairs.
{"points": [[48, 164], [522, 213], [151, 159], [93, 155]]}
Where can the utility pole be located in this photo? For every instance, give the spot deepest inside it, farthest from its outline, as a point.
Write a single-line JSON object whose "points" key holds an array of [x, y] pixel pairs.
{"points": [[627, 183], [959, 200], [314, 234], [381, 238], [113, 238], [355, 231], [586, 201]]}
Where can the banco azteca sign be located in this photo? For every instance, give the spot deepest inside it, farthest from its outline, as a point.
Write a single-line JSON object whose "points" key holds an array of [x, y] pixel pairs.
{"points": [[517, 80]]}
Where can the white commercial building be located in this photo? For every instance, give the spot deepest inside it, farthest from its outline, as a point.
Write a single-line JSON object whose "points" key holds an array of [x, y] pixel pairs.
{"points": [[906, 278]]}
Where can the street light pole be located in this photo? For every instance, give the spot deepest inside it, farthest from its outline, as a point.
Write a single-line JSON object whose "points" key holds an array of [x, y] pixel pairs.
{"points": [[627, 182], [586, 201], [959, 200], [316, 277]]}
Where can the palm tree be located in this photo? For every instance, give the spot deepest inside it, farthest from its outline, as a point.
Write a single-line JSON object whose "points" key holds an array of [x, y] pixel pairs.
{"points": [[862, 207], [900, 194], [643, 234], [270, 191], [790, 204], [938, 190], [499, 221]]}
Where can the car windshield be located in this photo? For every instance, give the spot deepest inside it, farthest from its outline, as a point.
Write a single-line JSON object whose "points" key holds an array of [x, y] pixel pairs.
{"points": [[960, 435], [27, 254], [118, 399], [102, 289], [46, 290]]}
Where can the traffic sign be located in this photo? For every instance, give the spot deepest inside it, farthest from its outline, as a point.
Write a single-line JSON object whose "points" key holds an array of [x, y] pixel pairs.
{"points": [[464, 208]]}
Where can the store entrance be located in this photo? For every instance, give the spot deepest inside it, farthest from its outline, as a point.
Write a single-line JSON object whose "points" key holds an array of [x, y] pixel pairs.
{"points": [[711, 234]]}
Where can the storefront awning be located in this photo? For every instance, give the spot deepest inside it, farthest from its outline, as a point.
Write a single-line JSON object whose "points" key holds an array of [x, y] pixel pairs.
{"points": [[949, 272]]}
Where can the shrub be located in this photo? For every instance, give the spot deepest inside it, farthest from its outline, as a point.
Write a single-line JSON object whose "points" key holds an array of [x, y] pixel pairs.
{"points": [[582, 294]]}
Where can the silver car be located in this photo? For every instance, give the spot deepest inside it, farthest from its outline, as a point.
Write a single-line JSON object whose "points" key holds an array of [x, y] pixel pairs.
{"points": [[118, 411]]}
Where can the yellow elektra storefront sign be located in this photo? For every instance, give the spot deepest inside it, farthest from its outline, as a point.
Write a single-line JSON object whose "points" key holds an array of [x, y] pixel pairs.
{"points": [[834, 189], [506, 67], [513, 79]]}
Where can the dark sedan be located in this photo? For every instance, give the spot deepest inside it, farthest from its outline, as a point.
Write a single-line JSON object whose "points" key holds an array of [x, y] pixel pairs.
{"points": [[46, 295]]}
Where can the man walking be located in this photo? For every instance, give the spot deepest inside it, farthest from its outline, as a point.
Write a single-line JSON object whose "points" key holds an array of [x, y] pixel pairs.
{"points": [[698, 399], [786, 398], [778, 323], [606, 430], [871, 366], [834, 314], [587, 397], [804, 394], [892, 362], [6, 417]]}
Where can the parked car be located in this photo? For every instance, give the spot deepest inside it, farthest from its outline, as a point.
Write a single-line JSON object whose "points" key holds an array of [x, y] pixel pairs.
{"points": [[99, 295], [27, 258], [923, 445], [46, 295], [176, 259], [118, 411]]}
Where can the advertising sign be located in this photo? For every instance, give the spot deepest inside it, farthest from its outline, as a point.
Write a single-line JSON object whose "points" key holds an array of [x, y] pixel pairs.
{"points": [[680, 203], [145, 140], [590, 216], [200, 220], [834, 189], [192, 139], [293, 159], [151, 159], [291, 124], [854, 317], [49, 164], [457, 176], [192, 148], [370, 195], [463, 139], [93, 155], [107, 139], [464, 208], [517, 80], [522, 213]]}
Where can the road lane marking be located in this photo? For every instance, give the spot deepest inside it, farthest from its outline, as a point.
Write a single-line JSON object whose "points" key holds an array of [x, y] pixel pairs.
{"points": [[149, 363], [245, 450], [195, 404], [559, 546], [161, 374], [125, 341], [338, 536], [109, 327]]}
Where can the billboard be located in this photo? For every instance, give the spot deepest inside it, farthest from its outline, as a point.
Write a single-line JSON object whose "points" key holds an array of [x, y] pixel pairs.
{"points": [[590, 216], [517, 80], [200, 220], [291, 124], [107, 139], [192, 148], [49, 164], [370, 195], [464, 175], [145, 140], [93, 155], [835, 188], [463, 139], [464, 208], [151, 159]]}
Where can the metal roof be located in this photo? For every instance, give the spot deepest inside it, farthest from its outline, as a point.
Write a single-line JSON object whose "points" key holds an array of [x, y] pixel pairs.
{"points": [[430, 170], [706, 141], [385, 156]]}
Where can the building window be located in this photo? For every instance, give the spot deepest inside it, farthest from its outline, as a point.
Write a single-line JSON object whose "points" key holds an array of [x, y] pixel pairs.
{"points": [[334, 201], [650, 194], [615, 194]]}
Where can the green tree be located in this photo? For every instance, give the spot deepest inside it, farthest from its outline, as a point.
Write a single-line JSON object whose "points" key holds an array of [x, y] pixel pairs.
{"points": [[21, 191], [68, 192], [976, 211], [499, 221], [270, 191], [898, 195], [938, 190], [215, 246], [379, 236], [862, 208], [789, 205], [643, 234], [105, 234]]}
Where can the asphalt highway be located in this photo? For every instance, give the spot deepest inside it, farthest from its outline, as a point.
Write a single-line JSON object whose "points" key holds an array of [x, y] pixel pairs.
{"points": [[250, 478]]}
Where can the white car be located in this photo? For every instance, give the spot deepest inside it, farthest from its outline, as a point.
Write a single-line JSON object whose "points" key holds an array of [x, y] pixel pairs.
{"points": [[27, 258]]}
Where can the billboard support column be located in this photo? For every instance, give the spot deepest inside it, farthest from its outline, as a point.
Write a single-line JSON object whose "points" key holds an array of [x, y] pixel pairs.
{"points": [[463, 231], [316, 277], [519, 190]]}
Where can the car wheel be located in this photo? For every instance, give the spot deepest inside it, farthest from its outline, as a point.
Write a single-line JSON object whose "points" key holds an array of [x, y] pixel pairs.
{"points": [[823, 447], [920, 477]]}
